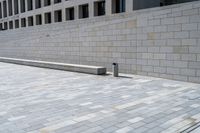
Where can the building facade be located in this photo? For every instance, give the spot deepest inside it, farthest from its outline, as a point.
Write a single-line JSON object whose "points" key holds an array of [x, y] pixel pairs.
{"points": [[163, 41]]}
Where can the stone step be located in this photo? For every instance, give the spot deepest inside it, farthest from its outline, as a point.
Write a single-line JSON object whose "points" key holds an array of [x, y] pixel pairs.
{"points": [[97, 70]]}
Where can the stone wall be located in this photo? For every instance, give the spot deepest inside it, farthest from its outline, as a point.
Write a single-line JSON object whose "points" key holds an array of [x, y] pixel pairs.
{"points": [[161, 42]]}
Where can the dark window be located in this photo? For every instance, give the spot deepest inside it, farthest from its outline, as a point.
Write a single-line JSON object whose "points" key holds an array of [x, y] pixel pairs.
{"points": [[5, 9], [22, 2], [5, 25], [47, 2], [1, 26], [57, 1], [38, 19], [10, 7], [47, 18], [58, 16], [10, 24], [16, 24], [83, 11], [118, 6], [16, 9], [23, 22], [30, 5], [0, 11], [99, 8], [37, 4], [30, 21], [70, 13]]}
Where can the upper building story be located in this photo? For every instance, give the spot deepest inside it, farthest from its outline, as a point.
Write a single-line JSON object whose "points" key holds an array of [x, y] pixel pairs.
{"points": [[24, 13]]}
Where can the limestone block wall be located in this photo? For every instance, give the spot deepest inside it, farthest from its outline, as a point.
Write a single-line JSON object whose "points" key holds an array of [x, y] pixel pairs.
{"points": [[161, 42]]}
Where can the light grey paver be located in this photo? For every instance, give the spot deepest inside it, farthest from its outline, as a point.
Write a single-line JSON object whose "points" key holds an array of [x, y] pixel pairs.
{"points": [[37, 100]]}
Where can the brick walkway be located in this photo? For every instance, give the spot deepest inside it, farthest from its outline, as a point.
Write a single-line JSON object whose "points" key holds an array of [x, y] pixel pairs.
{"points": [[37, 100]]}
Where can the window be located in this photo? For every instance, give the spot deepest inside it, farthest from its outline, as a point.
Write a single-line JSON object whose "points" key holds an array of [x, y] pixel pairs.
{"points": [[83, 11], [37, 4], [58, 16], [30, 5], [69, 13], [16, 7], [4, 9], [5, 25], [1, 26], [0, 11], [22, 3], [38, 19], [47, 18], [10, 7], [47, 2], [10, 24], [23, 22], [118, 6], [57, 1], [99, 8], [30, 21], [16, 23]]}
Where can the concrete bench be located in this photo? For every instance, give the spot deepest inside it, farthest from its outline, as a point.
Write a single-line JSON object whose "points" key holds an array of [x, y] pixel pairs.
{"points": [[97, 70]]}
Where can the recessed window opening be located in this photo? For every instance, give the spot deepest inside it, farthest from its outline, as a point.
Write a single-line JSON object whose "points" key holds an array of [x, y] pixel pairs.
{"points": [[118, 6], [47, 18], [99, 8], [58, 16], [83, 11], [70, 13]]}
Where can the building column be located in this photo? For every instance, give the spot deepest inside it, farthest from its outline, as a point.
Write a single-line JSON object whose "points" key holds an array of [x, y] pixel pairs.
{"points": [[91, 9], [26, 5], [43, 18], [108, 7], [42, 3], [33, 1], [129, 5], [76, 12], [13, 7], [19, 6]]}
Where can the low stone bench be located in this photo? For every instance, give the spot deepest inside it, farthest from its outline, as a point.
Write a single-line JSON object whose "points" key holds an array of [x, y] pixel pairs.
{"points": [[97, 70]]}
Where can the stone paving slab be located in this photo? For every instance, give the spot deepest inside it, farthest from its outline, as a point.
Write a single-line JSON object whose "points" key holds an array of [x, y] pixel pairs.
{"points": [[38, 100]]}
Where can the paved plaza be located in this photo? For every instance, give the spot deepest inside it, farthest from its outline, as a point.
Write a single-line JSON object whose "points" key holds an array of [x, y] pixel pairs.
{"points": [[37, 100]]}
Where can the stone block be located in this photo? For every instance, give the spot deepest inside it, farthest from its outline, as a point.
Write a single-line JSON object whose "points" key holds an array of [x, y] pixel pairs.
{"points": [[194, 50], [188, 57], [174, 71], [190, 27], [176, 27], [167, 21], [186, 42], [182, 19], [188, 72], [181, 35]]}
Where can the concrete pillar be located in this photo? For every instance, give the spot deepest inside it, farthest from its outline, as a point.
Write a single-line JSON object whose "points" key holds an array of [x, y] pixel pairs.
{"points": [[34, 20], [19, 6], [76, 12], [52, 17], [129, 5], [26, 5], [33, 1], [91, 9], [43, 18], [42, 3], [108, 7], [13, 7]]}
